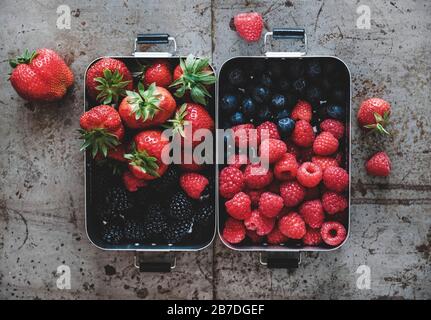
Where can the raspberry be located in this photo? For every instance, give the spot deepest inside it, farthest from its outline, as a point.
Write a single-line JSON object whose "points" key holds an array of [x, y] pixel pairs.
{"points": [[257, 177], [333, 202], [193, 184], [325, 144], [324, 162], [333, 126], [249, 26], [379, 165], [259, 223], [303, 134], [272, 131], [233, 231], [231, 181], [309, 174], [132, 183], [302, 111], [333, 233], [336, 179], [312, 237], [286, 168], [254, 196], [312, 213], [292, 193], [239, 207], [245, 134], [292, 226], [272, 149], [341, 217], [276, 237], [238, 161], [270, 204], [253, 236]]}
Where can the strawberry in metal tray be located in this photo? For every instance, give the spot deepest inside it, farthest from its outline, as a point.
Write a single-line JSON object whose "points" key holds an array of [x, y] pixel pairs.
{"points": [[159, 73]]}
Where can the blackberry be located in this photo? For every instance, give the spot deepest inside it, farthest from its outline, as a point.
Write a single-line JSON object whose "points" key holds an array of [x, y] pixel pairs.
{"points": [[178, 230], [204, 213], [180, 206], [134, 230], [113, 233], [143, 196], [155, 222], [166, 182], [118, 199]]}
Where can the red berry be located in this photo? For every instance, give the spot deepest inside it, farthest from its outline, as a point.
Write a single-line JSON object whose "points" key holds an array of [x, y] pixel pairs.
{"points": [[267, 130], [257, 177], [276, 237], [309, 174], [325, 144], [312, 237], [292, 226], [272, 150], [333, 126], [132, 183], [245, 135], [254, 196], [238, 160], [302, 111], [333, 202], [286, 168], [259, 223], [333, 233], [305, 155], [303, 134], [193, 184], [231, 181], [379, 165], [374, 114], [249, 26], [253, 236], [233, 231], [324, 162], [292, 193], [312, 213], [336, 179], [159, 73], [191, 166], [239, 207], [270, 204]]}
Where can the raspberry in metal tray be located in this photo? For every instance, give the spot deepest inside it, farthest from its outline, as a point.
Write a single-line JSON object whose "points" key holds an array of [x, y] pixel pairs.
{"points": [[333, 233], [239, 207]]}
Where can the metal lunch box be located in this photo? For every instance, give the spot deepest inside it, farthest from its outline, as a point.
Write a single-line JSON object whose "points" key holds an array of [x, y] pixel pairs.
{"points": [[287, 255], [149, 257]]}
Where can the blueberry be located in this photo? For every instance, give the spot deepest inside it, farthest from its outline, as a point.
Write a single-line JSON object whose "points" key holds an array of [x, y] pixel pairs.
{"points": [[229, 103], [291, 100], [260, 94], [339, 95], [296, 69], [335, 111], [314, 70], [299, 86], [266, 80], [236, 77], [284, 84], [237, 118], [278, 101], [282, 114], [248, 106], [313, 95], [285, 126], [264, 115]]}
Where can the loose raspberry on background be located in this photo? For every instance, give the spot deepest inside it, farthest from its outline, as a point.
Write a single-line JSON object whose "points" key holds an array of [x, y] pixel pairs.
{"points": [[270, 204], [276, 237], [309, 174], [233, 231], [333, 233], [312, 237], [324, 162], [193, 184], [333, 126], [286, 168], [302, 111], [379, 165], [333, 202], [259, 223], [254, 237], [312, 213], [336, 179], [272, 131], [272, 150], [239, 207], [292, 226], [132, 183], [249, 26], [257, 177], [325, 144], [292, 193], [231, 181], [303, 134]]}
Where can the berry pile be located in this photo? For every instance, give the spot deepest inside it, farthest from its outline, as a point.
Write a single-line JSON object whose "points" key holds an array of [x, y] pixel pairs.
{"points": [[294, 113], [139, 198]]}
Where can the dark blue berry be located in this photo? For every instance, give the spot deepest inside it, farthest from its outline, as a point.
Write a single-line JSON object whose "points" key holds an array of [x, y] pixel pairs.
{"points": [[248, 106], [278, 101], [282, 114], [335, 111], [237, 118], [314, 70], [313, 95], [299, 86], [229, 103], [284, 85], [339, 95], [264, 115], [285, 126], [237, 77], [260, 94], [266, 80]]}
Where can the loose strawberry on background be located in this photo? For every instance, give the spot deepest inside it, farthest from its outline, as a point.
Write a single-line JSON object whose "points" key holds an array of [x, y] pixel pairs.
{"points": [[107, 80], [40, 76], [379, 165], [239, 207], [249, 26], [373, 114], [159, 73]]}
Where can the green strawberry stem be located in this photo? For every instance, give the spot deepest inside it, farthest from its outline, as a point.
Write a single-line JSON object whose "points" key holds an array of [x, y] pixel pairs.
{"points": [[380, 124], [146, 103], [111, 86], [98, 140], [26, 58], [178, 122], [144, 161]]}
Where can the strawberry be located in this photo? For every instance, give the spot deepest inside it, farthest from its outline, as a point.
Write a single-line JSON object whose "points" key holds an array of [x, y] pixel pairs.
{"points": [[231, 181], [189, 118], [374, 114], [267, 129], [272, 150], [276, 237], [233, 231], [145, 160], [312, 237], [132, 183], [333, 233], [312, 213], [286, 168], [309, 174], [257, 177], [379, 165], [333, 126], [245, 135], [292, 193], [303, 134], [40, 76], [117, 153], [101, 129], [147, 108], [192, 76], [292, 226], [336, 179], [324, 162], [302, 111], [239, 207], [270, 204], [193, 184], [333, 202], [325, 144], [249, 26], [159, 73], [107, 80], [259, 223]]}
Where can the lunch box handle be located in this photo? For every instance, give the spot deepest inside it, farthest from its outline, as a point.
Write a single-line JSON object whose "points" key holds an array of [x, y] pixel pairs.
{"points": [[155, 262], [289, 34], [154, 38], [280, 260]]}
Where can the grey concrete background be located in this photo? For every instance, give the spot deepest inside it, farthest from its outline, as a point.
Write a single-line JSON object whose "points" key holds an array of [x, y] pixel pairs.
{"points": [[41, 169]]}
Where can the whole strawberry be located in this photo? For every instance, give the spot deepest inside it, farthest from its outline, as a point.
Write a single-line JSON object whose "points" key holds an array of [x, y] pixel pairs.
{"points": [[312, 213], [379, 165], [159, 73], [231, 182], [107, 80], [303, 134], [145, 161], [249, 26], [333, 126], [234, 231], [193, 184], [302, 111], [270, 204], [325, 144], [292, 226], [239, 207], [40, 76], [272, 150], [147, 108], [101, 130], [374, 114]]}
